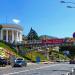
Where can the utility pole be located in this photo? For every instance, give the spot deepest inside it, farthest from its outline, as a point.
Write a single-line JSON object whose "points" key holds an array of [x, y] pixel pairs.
{"points": [[6, 19]]}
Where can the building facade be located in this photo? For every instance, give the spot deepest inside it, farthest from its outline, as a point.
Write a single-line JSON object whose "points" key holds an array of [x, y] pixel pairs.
{"points": [[11, 33]]}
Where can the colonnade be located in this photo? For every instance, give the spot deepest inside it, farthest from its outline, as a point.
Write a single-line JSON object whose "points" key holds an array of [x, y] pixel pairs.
{"points": [[11, 35]]}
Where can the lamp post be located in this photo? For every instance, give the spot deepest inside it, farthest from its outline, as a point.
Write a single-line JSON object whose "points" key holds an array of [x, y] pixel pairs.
{"points": [[67, 2], [64, 2]]}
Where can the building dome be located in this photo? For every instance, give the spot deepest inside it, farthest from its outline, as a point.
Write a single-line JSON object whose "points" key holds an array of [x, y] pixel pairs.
{"points": [[14, 26], [11, 32]]}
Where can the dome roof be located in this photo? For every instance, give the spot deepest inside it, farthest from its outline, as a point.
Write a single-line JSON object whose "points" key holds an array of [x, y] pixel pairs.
{"points": [[11, 26]]}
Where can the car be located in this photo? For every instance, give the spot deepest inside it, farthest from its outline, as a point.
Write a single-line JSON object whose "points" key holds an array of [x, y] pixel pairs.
{"points": [[19, 62], [3, 62], [72, 61]]}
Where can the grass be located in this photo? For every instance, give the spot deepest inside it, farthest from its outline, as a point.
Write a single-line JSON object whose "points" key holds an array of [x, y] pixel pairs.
{"points": [[59, 56], [2, 45], [27, 56], [34, 54], [2, 53]]}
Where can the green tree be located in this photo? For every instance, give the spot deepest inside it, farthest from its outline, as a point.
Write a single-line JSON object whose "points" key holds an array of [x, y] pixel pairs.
{"points": [[32, 35], [0, 27]]}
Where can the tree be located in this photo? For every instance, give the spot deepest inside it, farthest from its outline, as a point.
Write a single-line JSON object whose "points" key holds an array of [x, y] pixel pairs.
{"points": [[24, 37], [1, 27], [32, 35]]}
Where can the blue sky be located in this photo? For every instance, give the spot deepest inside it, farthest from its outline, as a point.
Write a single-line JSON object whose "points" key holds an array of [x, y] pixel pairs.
{"points": [[47, 17]]}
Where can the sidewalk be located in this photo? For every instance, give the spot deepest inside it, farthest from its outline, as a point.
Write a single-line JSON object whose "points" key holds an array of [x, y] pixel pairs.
{"points": [[8, 66], [30, 63]]}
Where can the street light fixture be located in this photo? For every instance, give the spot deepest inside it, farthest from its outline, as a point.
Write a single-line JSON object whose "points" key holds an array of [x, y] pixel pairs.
{"points": [[62, 1], [69, 6], [68, 2]]}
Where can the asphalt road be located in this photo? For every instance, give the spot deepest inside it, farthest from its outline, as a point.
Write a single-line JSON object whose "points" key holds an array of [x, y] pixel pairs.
{"points": [[38, 69]]}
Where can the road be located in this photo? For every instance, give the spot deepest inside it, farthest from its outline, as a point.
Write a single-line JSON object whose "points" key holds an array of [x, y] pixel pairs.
{"points": [[38, 69]]}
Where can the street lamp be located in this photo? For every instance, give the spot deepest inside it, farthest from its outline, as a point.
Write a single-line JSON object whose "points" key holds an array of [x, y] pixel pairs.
{"points": [[67, 3], [62, 1], [70, 7]]}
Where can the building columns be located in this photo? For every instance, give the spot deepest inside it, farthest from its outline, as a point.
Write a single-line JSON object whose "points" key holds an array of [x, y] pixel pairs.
{"points": [[12, 36], [1, 34], [15, 35], [6, 35], [17, 39], [20, 37]]}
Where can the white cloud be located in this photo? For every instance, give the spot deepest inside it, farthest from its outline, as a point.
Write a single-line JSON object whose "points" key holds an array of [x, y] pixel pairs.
{"points": [[16, 21]]}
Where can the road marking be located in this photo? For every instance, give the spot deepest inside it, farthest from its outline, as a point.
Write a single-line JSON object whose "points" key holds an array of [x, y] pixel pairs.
{"points": [[31, 69]]}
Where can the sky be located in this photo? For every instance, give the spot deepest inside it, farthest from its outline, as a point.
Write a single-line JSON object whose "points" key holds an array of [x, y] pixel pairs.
{"points": [[46, 17]]}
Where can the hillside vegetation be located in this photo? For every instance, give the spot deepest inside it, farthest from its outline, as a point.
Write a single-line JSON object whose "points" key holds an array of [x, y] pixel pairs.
{"points": [[34, 54], [5, 49], [31, 55], [58, 56]]}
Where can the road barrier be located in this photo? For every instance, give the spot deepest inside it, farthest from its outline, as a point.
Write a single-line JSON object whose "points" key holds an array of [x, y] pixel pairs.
{"points": [[70, 73], [73, 71]]}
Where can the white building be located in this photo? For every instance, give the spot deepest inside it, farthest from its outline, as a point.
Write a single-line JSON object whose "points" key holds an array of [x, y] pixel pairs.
{"points": [[11, 33]]}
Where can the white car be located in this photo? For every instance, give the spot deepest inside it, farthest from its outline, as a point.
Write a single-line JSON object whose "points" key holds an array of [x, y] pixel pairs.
{"points": [[19, 62]]}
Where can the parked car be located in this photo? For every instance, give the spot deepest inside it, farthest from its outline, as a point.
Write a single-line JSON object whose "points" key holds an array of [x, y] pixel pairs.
{"points": [[19, 62], [3, 62], [72, 61]]}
